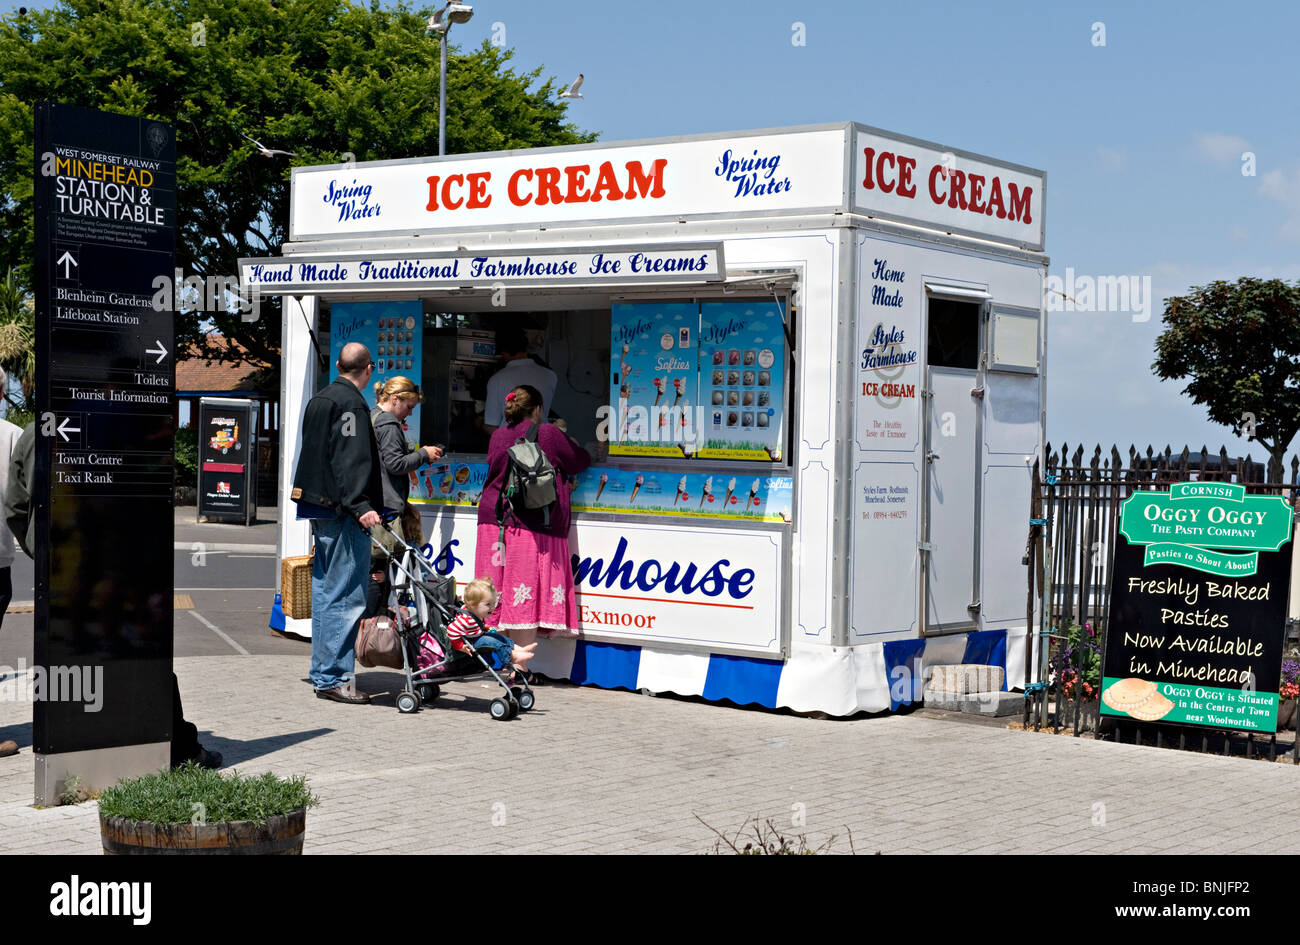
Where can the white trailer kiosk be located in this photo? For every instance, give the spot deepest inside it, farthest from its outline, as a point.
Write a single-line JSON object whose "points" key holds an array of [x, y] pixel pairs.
{"points": [[808, 361]]}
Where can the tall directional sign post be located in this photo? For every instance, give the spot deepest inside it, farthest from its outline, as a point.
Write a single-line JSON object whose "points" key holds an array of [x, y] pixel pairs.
{"points": [[105, 188]]}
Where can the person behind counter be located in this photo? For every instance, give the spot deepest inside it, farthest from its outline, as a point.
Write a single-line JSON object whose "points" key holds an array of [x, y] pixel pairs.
{"points": [[519, 370], [533, 570], [397, 398]]}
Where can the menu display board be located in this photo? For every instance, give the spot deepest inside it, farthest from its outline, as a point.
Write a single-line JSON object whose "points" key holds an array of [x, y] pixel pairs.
{"points": [[1199, 592], [698, 381], [654, 378], [742, 372], [227, 458], [393, 331]]}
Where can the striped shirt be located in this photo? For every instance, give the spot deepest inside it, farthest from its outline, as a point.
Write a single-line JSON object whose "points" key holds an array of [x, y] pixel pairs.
{"points": [[463, 626]]}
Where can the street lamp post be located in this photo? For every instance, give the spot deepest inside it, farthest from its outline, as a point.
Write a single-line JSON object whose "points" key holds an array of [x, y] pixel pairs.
{"points": [[441, 23]]}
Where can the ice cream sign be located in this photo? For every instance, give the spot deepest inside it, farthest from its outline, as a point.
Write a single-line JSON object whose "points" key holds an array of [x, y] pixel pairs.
{"points": [[921, 183], [656, 179], [1200, 525]]}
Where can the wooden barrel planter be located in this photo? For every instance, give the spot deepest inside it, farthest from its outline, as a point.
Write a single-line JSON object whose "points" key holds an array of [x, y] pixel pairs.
{"points": [[280, 835]]}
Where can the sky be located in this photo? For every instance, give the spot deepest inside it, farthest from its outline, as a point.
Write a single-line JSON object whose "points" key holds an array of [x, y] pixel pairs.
{"points": [[1139, 113]]}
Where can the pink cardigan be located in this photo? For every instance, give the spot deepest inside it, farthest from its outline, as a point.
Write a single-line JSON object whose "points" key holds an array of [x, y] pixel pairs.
{"points": [[567, 457]]}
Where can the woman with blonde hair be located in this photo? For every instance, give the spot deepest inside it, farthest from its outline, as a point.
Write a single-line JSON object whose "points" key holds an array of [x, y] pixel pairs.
{"points": [[397, 398]]}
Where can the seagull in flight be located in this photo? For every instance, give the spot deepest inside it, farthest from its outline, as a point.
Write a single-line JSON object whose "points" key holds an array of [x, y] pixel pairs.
{"points": [[572, 91], [268, 152]]}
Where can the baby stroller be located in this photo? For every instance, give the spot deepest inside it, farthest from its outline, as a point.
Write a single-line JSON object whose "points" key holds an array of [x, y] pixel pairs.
{"points": [[426, 601]]}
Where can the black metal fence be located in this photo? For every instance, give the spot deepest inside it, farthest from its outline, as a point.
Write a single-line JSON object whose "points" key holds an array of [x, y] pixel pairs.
{"points": [[1074, 521]]}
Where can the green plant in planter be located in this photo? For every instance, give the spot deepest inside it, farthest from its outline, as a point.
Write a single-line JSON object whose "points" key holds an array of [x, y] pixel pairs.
{"points": [[193, 810], [168, 797]]}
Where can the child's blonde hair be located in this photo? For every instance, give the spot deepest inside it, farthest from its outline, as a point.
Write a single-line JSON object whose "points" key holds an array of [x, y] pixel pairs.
{"points": [[479, 590]]}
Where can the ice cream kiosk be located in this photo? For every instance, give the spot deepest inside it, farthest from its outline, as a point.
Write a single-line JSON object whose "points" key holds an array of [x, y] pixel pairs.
{"points": [[808, 363]]}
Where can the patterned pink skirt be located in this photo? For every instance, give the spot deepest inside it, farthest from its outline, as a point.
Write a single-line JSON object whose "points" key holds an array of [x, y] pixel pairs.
{"points": [[535, 582]]}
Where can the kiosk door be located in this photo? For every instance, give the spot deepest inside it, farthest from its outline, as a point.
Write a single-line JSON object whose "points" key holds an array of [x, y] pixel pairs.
{"points": [[953, 462]]}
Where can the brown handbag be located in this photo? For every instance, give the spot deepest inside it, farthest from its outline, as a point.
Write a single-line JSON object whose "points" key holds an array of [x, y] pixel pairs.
{"points": [[379, 643]]}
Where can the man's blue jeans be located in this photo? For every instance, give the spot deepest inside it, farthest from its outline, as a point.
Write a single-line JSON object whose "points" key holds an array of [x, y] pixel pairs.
{"points": [[339, 571]]}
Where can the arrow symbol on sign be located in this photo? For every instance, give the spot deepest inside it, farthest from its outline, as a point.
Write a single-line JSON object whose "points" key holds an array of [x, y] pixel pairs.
{"points": [[64, 429], [160, 351], [66, 261]]}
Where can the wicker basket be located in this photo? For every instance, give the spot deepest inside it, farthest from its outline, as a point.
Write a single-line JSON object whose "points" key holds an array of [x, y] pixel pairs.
{"points": [[295, 587]]}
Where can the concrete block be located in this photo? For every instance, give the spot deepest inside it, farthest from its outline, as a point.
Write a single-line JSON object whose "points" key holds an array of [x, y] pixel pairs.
{"points": [[935, 699], [964, 678], [993, 704]]}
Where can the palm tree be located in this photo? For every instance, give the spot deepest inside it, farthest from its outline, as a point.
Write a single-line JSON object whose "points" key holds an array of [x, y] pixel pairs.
{"points": [[17, 339]]}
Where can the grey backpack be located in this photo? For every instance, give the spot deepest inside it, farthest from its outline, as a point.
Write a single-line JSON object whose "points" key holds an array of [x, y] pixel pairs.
{"points": [[530, 479]]}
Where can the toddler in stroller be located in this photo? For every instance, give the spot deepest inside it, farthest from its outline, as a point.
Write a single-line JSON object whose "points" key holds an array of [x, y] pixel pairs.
{"points": [[470, 629]]}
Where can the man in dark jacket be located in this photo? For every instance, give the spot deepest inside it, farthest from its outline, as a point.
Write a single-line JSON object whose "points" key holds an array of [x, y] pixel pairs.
{"points": [[337, 486]]}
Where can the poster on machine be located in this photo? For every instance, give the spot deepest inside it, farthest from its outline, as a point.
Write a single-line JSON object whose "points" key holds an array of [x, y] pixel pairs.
{"points": [[393, 333], [1198, 608], [742, 378], [654, 379]]}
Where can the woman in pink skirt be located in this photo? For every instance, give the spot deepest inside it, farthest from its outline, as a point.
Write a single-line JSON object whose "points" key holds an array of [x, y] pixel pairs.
{"points": [[532, 571]]}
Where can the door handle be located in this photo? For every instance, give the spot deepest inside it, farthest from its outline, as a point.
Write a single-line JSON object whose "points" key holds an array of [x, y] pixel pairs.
{"points": [[931, 456], [977, 392]]}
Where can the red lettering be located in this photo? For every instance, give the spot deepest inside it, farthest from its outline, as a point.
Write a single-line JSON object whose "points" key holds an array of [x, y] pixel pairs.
{"points": [[995, 197], [548, 185], [976, 199], [606, 184], [651, 185], [1018, 203], [935, 173], [433, 194], [512, 187], [905, 186], [957, 193], [880, 171], [575, 173], [869, 154], [446, 191], [478, 195]]}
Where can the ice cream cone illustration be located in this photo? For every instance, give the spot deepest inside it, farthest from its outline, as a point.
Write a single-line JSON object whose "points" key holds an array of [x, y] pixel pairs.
{"points": [[686, 406], [731, 487], [681, 488], [773, 453], [624, 394], [706, 491], [428, 486], [604, 478], [753, 491], [679, 383], [640, 481], [625, 351], [660, 384]]}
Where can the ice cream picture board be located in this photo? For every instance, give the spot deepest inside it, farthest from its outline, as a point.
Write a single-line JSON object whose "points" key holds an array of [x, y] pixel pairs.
{"points": [[742, 380], [654, 378]]}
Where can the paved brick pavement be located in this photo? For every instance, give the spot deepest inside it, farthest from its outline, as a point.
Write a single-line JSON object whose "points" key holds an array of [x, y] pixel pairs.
{"points": [[595, 771]]}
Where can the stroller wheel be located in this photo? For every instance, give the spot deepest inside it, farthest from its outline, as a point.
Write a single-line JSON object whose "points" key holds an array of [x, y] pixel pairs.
{"points": [[525, 699], [500, 710], [407, 703], [428, 692]]}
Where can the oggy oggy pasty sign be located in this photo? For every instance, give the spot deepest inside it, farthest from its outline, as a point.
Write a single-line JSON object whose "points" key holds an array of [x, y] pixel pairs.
{"points": [[1198, 607]]}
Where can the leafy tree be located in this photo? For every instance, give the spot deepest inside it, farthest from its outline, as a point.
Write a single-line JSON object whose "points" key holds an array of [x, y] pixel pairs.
{"points": [[320, 78], [17, 343], [1240, 345]]}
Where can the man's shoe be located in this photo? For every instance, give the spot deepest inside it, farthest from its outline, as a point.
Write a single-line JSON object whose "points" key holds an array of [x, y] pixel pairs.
{"points": [[345, 694], [8, 747], [209, 759]]}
